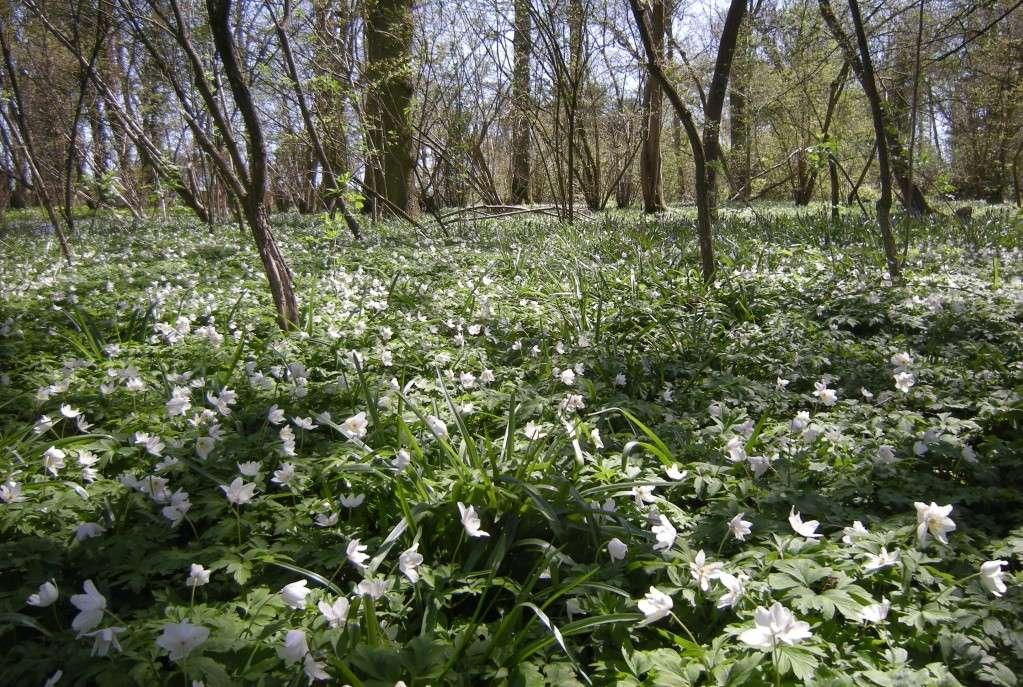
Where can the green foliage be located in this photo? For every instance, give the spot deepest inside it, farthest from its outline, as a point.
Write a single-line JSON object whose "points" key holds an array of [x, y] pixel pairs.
{"points": [[573, 386]]}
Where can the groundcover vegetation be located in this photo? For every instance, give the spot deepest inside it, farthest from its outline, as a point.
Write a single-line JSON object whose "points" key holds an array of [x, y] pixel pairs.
{"points": [[516, 454]]}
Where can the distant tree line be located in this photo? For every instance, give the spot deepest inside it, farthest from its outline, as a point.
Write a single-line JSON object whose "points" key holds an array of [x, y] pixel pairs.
{"points": [[433, 111]]}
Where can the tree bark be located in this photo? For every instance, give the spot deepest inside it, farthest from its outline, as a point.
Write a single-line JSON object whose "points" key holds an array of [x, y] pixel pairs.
{"points": [[739, 115], [650, 154], [863, 65], [704, 224], [520, 155], [253, 200], [389, 77], [716, 97]]}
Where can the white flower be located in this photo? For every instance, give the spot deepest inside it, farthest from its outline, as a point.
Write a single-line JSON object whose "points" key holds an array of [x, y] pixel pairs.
{"points": [[180, 401], [736, 586], [53, 460], [372, 588], [644, 494], [355, 427], [287, 441], [736, 449], [335, 613], [180, 639], [800, 422], [326, 520], [275, 415], [903, 381], [88, 530], [739, 527], [250, 469], [10, 492], [238, 492], [401, 460], [284, 475], [409, 560], [619, 379], [674, 474], [204, 446], [294, 594], [471, 521], [853, 533], [806, 529], [991, 575], [567, 377], [197, 576], [933, 519], [617, 549], [313, 669], [356, 552], [437, 426], [665, 533], [781, 383], [532, 431], [885, 454], [703, 572], [572, 402], [90, 607], [881, 560], [351, 500], [467, 380], [825, 395], [104, 639], [305, 423], [654, 606], [595, 438], [901, 360], [46, 595], [294, 647], [773, 626], [874, 613]]}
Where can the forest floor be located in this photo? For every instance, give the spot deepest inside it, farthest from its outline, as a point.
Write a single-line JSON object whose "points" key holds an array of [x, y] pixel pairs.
{"points": [[514, 453]]}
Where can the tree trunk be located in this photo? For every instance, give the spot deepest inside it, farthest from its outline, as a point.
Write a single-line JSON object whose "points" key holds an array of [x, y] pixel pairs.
{"points": [[389, 77], [864, 67], [653, 97], [704, 223], [254, 201], [523, 48], [716, 99], [738, 105]]}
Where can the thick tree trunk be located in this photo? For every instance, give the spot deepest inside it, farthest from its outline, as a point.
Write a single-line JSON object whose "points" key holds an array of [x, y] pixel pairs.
{"points": [[389, 75], [520, 153], [738, 105], [650, 154]]}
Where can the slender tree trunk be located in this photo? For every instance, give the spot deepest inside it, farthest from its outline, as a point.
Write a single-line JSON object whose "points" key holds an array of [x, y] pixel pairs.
{"points": [[716, 98], [704, 223], [863, 65], [680, 168], [521, 144], [254, 201], [19, 128]]}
